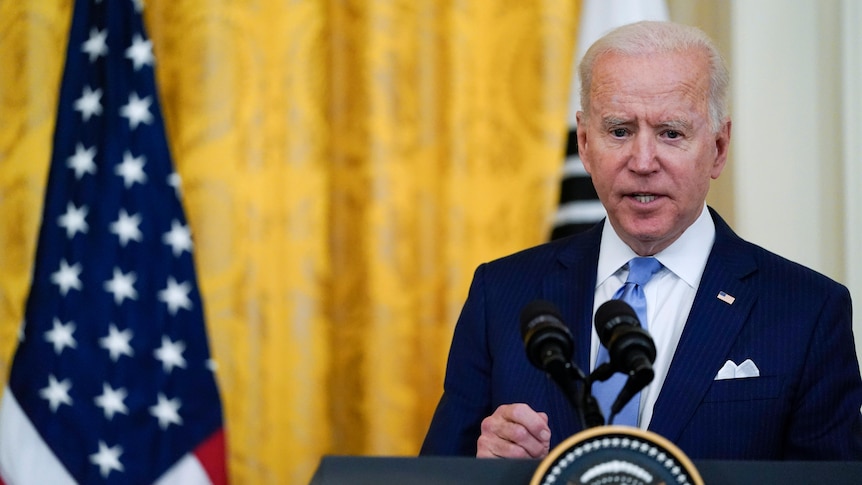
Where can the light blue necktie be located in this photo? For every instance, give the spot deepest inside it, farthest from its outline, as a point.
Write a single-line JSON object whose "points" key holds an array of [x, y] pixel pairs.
{"points": [[640, 272]]}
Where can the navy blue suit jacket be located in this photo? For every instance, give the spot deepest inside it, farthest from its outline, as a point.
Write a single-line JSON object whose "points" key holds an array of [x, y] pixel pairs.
{"points": [[794, 323]]}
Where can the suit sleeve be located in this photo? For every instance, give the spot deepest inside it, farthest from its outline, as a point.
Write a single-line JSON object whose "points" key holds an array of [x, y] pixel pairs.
{"points": [[456, 424], [826, 423]]}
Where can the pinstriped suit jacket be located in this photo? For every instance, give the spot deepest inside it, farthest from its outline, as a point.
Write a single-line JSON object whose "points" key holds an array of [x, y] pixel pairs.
{"points": [[794, 323]]}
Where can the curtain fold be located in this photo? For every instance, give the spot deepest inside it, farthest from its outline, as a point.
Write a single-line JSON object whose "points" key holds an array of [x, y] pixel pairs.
{"points": [[346, 165]]}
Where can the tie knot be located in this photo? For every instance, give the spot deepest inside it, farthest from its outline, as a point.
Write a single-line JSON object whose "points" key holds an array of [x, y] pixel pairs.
{"points": [[642, 269]]}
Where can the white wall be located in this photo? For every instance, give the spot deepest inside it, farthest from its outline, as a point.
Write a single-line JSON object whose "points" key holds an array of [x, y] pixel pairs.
{"points": [[797, 133], [851, 15]]}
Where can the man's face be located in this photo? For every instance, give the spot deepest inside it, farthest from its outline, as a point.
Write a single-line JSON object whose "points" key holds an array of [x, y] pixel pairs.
{"points": [[649, 146]]}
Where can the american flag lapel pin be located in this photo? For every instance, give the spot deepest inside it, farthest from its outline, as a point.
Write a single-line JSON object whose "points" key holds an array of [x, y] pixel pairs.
{"points": [[726, 298]]}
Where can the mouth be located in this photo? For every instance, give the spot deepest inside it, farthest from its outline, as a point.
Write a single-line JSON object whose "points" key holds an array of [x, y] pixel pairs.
{"points": [[644, 198]]}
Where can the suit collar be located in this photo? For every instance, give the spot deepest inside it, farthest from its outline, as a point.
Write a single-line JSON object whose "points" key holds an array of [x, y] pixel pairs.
{"points": [[578, 247]]}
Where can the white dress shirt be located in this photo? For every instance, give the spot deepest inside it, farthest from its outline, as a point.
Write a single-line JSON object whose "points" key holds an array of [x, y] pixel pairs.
{"points": [[669, 294]]}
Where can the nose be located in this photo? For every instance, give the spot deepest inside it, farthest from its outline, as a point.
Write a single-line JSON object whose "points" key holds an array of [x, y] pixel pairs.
{"points": [[644, 154]]}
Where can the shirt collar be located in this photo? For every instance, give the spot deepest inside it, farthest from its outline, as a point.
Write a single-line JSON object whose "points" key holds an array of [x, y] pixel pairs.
{"points": [[686, 257]]}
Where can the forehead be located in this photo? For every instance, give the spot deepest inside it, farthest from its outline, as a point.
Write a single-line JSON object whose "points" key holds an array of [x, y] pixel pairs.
{"points": [[674, 81]]}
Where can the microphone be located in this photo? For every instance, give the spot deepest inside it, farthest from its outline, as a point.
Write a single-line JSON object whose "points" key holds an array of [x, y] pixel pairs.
{"points": [[631, 349], [547, 340], [549, 347]]}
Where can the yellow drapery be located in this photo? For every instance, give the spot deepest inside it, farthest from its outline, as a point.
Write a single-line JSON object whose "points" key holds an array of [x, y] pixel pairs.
{"points": [[346, 165]]}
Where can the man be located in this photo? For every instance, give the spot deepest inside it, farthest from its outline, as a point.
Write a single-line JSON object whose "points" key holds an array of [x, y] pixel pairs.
{"points": [[755, 354]]}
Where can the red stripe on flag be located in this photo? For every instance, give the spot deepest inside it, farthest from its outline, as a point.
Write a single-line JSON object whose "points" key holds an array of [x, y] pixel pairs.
{"points": [[211, 455]]}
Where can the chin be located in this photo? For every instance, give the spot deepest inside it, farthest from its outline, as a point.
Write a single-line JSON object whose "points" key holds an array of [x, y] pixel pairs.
{"points": [[646, 233], [645, 226]]}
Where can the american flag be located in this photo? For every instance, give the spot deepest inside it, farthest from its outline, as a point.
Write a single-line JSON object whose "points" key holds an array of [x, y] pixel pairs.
{"points": [[112, 380], [726, 298]]}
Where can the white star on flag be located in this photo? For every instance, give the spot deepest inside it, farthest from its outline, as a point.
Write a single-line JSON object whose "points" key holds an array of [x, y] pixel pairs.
{"points": [[82, 161], [56, 393], [96, 46], [137, 111], [176, 182], [112, 401], [167, 411], [67, 277], [132, 170], [171, 354], [117, 342], [74, 220], [126, 227], [122, 286], [107, 459], [176, 295], [179, 238], [61, 336], [140, 52], [89, 103]]}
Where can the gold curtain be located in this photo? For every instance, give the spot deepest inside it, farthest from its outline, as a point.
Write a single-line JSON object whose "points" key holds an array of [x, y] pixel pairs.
{"points": [[346, 165]]}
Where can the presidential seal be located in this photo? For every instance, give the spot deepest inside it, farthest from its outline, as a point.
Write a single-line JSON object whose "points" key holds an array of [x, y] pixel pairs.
{"points": [[607, 455]]}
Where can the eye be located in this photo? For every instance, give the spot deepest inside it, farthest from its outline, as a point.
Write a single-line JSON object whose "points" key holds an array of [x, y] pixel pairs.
{"points": [[673, 134], [619, 132]]}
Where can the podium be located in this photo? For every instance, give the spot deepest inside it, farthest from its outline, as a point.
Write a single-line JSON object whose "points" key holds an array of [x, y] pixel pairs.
{"points": [[361, 470]]}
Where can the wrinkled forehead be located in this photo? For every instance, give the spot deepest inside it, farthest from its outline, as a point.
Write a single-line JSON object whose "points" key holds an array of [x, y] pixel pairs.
{"points": [[650, 77]]}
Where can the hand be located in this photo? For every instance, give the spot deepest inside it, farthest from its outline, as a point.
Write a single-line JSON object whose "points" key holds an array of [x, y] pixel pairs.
{"points": [[514, 431]]}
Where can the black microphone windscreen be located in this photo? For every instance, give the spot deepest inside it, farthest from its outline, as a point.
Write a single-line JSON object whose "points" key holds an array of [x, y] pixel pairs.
{"points": [[544, 334], [612, 313], [534, 309]]}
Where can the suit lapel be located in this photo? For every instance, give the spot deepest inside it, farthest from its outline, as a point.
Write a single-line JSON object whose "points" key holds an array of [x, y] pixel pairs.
{"points": [[571, 287], [710, 330]]}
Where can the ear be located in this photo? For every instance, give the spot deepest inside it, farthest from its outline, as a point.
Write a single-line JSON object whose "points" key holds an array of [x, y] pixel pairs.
{"points": [[722, 148], [583, 154]]}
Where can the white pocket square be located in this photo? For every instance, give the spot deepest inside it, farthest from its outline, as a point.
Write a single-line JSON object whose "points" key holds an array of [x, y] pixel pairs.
{"points": [[732, 371]]}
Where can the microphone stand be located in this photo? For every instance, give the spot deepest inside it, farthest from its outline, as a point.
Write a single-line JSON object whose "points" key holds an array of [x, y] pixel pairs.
{"points": [[567, 375], [593, 412], [638, 379]]}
